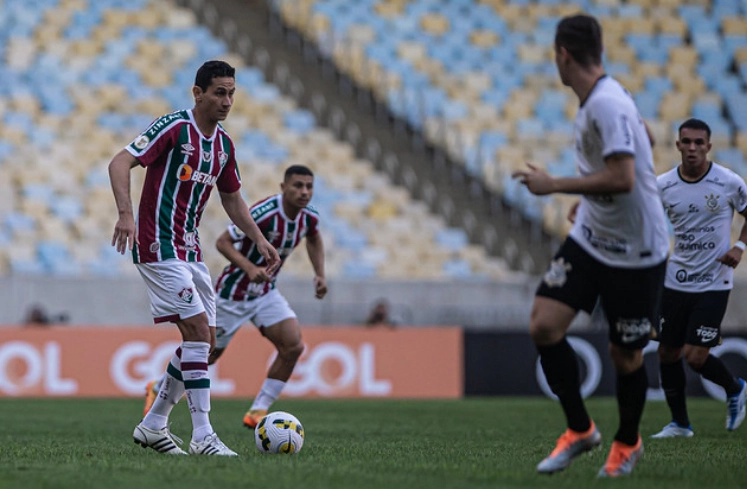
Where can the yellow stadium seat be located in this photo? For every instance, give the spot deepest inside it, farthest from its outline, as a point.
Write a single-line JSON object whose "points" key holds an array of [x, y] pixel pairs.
{"points": [[734, 26], [434, 23], [672, 25], [484, 38], [683, 55]]}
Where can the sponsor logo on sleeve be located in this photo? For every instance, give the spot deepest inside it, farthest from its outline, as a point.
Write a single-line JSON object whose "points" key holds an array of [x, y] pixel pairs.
{"points": [[141, 142]]}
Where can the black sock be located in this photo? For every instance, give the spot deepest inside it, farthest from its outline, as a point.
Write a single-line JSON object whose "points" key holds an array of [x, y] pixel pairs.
{"points": [[673, 382], [560, 365], [631, 398], [714, 370]]}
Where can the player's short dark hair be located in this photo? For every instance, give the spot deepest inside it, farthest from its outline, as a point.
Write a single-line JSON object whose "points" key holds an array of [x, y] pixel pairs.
{"points": [[697, 124], [581, 36], [297, 170], [213, 69]]}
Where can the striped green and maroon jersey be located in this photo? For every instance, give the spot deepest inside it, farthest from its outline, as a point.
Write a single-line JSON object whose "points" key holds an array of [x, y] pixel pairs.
{"points": [[283, 233], [182, 169]]}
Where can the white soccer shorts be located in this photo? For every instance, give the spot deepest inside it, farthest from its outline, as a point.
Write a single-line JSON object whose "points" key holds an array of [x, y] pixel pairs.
{"points": [[178, 290], [263, 312]]}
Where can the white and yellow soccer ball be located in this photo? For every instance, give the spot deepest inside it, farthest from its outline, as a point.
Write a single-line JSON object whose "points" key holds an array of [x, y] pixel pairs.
{"points": [[279, 432]]}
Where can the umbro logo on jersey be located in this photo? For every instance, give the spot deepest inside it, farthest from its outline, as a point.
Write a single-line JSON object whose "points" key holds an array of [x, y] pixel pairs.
{"points": [[187, 149], [273, 235]]}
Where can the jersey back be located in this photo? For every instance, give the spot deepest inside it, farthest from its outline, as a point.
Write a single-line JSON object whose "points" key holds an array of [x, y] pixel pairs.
{"points": [[626, 230]]}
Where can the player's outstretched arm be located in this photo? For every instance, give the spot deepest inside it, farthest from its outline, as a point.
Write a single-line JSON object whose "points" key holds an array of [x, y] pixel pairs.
{"points": [[125, 231], [238, 211], [315, 249]]}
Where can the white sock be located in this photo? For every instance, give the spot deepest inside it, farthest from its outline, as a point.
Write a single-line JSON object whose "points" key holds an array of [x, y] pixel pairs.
{"points": [[269, 393], [171, 389], [197, 385]]}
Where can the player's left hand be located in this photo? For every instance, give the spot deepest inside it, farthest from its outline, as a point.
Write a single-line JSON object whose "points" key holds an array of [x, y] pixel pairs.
{"points": [[270, 254], [731, 258], [320, 287], [537, 181]]}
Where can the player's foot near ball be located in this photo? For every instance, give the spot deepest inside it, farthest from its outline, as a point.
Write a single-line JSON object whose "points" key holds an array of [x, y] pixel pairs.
{"points": [[570, 445], [211, 445], [253, 417]]}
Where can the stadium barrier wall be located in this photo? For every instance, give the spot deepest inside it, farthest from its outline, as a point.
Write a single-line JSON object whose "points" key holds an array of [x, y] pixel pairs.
{"points": [[506, 364], [341, 362]]}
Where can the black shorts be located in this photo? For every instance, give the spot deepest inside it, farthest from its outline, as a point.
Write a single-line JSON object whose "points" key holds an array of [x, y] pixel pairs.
{"points": [[692, 317], [631, 297]]}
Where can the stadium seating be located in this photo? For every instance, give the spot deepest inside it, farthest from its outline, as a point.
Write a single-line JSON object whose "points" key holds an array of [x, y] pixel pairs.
{"points": [[477, 77], [80, 78]]}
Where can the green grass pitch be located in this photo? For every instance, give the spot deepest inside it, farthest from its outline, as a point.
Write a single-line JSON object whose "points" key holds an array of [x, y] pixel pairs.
{"points": [[490, 443]]}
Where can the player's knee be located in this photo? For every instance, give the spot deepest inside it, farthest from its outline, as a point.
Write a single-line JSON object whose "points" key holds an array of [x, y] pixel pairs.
{"points": [[696, 358], [668, 354], [293, 351], [544, 333]]}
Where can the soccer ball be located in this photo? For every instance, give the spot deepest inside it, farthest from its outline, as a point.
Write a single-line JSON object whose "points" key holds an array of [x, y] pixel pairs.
{"points": [[279, 432]]}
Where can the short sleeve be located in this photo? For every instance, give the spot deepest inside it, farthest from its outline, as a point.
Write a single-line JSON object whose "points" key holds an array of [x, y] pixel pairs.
{"points": [[151, 145], [614, 124], [738, 197], [235, 233], [229, 180]]}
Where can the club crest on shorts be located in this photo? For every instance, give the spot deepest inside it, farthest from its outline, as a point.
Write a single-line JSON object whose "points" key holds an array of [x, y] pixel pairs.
{"points": [[558, 273], [186, 295]]}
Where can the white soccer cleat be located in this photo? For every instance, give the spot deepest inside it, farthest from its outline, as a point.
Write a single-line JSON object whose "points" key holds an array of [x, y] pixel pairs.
{"points": [[211, 445], [673, 430], [735, 407], [162, 441]]}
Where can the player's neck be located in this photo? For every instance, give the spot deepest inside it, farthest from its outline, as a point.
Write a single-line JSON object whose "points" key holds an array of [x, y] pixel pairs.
{"points": [[206, 126], [693, 173], [585, 81], [290, 212]]}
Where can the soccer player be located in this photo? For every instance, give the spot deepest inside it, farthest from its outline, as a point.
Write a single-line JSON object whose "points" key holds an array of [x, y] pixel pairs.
{"points": [[616, 250], [700, 197], [186, 154], [246, 288]]}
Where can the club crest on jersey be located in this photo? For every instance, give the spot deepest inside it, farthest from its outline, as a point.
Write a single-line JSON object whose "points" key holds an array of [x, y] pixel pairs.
{"points": [[141, 142], [222, 157], [187, 149], [207, 156], [186, 295], [712, 202], [558, 273]]}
